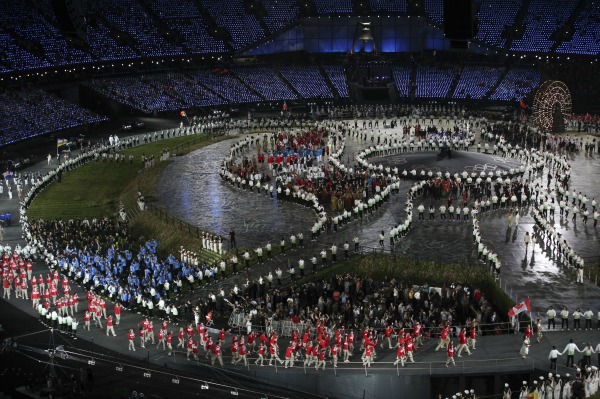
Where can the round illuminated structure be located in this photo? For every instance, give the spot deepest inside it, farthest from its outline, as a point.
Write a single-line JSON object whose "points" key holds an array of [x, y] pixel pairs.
{"points": [[551, 103]]}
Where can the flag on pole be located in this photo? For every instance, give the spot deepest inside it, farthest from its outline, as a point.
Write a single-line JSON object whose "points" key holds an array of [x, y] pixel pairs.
{"points": [[284, 107], [522, 104], [182, 113], [61, 142], [524, 306]]}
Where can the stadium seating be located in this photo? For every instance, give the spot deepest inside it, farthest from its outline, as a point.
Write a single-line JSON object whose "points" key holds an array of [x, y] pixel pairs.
{"points": [[243, 28], [184, 17], [26, 22], [28, 112], [280, 13], [494, 16], [174, 8], [434, 82], [187, 90], [475, 81], [144, 93], [158, 92], [266, 82], [16, 57], [388, 5], [307, 81], [128, 16], [401, 75], [333, 7], [586, 38], [337, 76], [226, 86], [104, 46], [542, 19], [435, 10], [517, 83]]}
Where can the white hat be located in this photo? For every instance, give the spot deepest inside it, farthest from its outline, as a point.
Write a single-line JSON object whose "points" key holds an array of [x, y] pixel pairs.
{"points": [[557, 375], [524, 382], [549, 374], [568, 375], [542, 377], [466, 391], [472, 391], [506, 384]]}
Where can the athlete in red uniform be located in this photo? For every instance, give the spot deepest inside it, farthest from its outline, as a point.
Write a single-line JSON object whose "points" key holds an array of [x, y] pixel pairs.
{"points": [[450, 353]]}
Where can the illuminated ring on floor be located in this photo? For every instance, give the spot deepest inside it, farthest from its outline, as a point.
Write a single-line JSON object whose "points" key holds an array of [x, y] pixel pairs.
{"points": [[482, 167], [501, 160]]}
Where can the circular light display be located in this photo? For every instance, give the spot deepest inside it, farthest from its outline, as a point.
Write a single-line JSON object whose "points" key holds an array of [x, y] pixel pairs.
{"points": [[551, 97]]}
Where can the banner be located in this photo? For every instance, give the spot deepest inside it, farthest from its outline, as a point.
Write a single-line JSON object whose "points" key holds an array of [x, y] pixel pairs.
{"points": [[7, 175], [524, 306], [61, 142]]}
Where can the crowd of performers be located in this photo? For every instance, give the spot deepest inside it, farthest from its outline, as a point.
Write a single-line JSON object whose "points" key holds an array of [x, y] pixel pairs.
{"points": [[554, 386], [294, 160]]}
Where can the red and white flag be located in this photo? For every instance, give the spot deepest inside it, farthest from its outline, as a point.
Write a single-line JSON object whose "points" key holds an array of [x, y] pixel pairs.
{"points": [[524, 306]]}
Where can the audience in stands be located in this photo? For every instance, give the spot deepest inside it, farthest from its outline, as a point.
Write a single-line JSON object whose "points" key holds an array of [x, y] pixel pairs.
{"points": [[28, 112]]}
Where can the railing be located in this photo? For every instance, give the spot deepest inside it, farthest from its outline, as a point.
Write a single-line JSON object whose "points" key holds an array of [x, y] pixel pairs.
{"points": [[285, 328], [172, 220]]}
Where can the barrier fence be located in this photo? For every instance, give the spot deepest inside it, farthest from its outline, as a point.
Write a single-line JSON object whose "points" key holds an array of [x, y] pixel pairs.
{"points": [[285, 328]]}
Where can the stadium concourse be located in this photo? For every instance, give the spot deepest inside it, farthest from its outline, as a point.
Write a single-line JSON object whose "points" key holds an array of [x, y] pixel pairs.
{"points": [[545, 283]]}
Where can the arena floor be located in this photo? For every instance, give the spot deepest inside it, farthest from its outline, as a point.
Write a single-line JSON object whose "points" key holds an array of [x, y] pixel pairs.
{"points": [[203, 198]]}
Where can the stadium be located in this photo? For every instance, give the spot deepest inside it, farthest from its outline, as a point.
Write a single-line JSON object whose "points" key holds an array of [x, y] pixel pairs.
{"points": [[300, 198]]}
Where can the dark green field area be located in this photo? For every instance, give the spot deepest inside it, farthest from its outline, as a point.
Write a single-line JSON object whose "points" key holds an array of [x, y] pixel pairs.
{"points": [[96, 189]]}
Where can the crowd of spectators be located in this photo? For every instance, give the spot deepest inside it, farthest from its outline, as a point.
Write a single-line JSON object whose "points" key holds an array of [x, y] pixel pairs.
{"points": [[243, 27], [146, 93], [28, 112], [37, 25], [307, 80], [280, 13], [29, 37], [227, 86], [516, 84], [266, 82], [476, 81], [540, 23], [434, 81], [349, 301], [586, 35], [337, 76], [128, 16], [493, 19]]}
